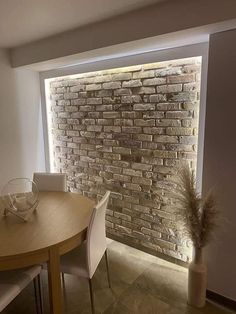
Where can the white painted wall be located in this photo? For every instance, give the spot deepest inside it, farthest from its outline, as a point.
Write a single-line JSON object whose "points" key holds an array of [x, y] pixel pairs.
{"points": [[21, 139], [156, 20], [219, 163]]}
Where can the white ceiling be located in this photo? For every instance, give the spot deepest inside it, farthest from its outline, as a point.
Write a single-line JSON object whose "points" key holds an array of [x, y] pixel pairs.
{"points": [[23, 21]]}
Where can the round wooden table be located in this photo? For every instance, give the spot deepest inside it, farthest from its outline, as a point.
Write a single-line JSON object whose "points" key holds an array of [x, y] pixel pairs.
{"points": [[57, 226]]}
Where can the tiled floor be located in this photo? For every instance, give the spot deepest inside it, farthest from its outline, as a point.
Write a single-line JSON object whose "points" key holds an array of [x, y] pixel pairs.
{"points": [[141, 284]]}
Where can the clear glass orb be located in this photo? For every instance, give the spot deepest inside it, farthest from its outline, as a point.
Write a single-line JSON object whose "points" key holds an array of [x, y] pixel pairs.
{"points": [[20, 194]]}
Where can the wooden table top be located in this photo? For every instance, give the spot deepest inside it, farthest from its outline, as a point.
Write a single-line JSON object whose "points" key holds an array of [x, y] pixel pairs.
{"points": [[59, 217]]}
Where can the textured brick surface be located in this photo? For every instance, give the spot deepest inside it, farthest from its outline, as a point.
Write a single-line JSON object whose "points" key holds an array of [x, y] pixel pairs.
{"points": [[126, 130]]}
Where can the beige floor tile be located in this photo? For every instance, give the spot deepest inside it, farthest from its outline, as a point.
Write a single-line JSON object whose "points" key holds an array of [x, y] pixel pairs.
{"points": [[141, 284]]}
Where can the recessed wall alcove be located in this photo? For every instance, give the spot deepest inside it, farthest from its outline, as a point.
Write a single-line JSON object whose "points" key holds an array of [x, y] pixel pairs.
{"points": [[126, 130]]}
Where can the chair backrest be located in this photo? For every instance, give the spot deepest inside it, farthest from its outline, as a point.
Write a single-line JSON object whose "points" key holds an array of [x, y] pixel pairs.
{"points": [[50, 181], [96, 235]]}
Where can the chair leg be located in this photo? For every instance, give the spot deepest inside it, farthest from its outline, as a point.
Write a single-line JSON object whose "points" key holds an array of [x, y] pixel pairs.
{"points": [[108, 273], [91, 295], [38, 294]]}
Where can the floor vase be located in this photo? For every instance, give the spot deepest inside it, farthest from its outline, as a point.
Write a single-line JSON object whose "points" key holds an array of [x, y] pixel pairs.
{"points": [[197, 280]]}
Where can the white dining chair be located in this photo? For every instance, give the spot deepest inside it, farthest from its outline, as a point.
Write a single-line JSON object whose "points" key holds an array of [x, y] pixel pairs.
{"points": [[50, 181], [83, 261], [14, 281]]}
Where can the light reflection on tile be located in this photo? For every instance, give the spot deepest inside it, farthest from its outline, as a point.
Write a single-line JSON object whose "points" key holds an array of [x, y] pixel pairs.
{"points": [[141, 284]]}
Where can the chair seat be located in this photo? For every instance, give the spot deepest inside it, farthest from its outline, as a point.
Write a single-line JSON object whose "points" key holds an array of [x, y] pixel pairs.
{"points": [[14, 281], [75, 262]]}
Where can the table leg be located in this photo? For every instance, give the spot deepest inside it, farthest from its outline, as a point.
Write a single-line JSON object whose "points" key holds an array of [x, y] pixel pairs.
{"points": [[54, 282]]}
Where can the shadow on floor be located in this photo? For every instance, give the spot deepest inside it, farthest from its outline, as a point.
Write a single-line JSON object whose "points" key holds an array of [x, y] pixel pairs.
{"points": [[141, 284]]}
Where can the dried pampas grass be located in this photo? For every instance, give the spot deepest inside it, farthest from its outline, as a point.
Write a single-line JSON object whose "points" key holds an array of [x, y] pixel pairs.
{"points": [[199, 215]]}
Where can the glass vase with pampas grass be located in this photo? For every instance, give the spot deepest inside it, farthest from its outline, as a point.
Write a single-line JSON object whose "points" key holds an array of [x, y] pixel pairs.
{"points": [[199, 218]]}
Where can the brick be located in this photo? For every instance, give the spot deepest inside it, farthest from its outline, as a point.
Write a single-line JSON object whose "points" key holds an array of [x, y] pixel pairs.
{"points": [[111, 115], [165, 139], [151, 232], [104, 121], [93, 87], [58, 108], [78, 102], [94, 101], [165, 154], [179, 131], [190, 140], [109, 224], [169, 106], [122, 150], [86, 108], [122, 92], [111, 85], [185, 96], [112, 156], [102, 78], [144, 90], [63, 102], [77, 88], [152, 161], [141, 181], [132, 83], [131, 99], [103, 93], [87, 134], [94, 128], [132, 172], [122, 216], [131, 114], [131, 129], [120, 163], [120, 177], [144, 122], [178, 114], [144, 107], [57, 96], [110, 143], [104, 107], [190, 87], [183, 78], [165, 89], [165, 244], [121, 76], [143, 137], [123, 229], [123, 122], [132, 186], [154, 81], [168, 71], [143, 167], [71, 108], [153, 130], [131, 143], [157, 98], [168, 122], [154, 114], [141, 209], [88, 121], [113, 219], [113, 169], [70, 95], [143, 74], [122, 107], [115, 129]]}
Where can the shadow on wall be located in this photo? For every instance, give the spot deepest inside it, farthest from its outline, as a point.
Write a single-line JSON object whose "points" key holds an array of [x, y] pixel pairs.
{"points": [[21, 136]]}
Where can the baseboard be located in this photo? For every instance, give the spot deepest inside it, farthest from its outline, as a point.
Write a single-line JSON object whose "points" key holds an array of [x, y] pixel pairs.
{"points": [[220, 299]]}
